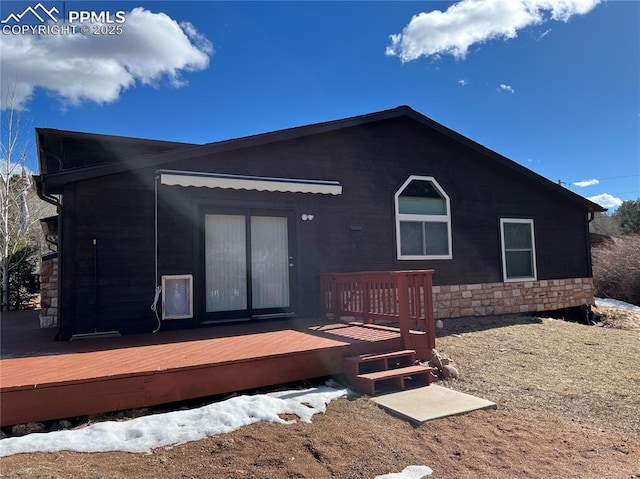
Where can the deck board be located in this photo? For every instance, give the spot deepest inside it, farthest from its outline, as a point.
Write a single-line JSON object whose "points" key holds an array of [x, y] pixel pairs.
{"points": [[48, 380], [67, 368]]}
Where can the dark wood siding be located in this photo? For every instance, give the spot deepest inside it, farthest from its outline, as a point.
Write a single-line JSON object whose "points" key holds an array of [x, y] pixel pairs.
{"points": [[110, 285], [351, 232]]}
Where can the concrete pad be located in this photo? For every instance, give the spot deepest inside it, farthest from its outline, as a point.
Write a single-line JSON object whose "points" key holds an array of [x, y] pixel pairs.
{"points": [[431, 402]]}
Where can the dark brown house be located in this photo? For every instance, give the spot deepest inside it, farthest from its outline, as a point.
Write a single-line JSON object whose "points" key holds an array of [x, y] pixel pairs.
{"points": [[243, 229]]}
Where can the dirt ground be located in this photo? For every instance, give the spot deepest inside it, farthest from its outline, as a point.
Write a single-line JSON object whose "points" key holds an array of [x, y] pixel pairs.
{"points": [[569, 406]]}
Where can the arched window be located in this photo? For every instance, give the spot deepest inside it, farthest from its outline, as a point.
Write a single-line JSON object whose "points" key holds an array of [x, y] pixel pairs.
{"points": [[423, 220]]}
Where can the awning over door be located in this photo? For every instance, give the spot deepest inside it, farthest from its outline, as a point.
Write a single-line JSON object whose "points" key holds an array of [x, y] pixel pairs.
{"points": [[240, 182]]}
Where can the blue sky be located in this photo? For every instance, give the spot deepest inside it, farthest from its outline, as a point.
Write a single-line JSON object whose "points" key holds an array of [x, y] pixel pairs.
{"points": [[555, 86]]}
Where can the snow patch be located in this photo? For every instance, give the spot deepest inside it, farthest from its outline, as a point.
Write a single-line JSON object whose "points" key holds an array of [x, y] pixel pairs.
{"points": [[409, 472], [615, 303], [144, 434]]}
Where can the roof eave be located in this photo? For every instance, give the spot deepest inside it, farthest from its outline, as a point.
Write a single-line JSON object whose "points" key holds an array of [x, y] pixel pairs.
{"points": [[155, 160]]}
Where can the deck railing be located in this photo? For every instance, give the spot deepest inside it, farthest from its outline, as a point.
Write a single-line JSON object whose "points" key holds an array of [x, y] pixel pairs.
{"points": [[402, 298]]}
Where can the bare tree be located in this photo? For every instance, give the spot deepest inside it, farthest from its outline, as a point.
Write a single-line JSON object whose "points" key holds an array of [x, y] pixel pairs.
{"points": [[605, 224], [19, 230]]}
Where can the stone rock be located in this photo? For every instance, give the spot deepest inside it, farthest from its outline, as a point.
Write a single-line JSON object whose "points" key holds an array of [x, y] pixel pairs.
{"points": [[436, 359], [443, 366], [28, 428], [450, 372], [64, 424], [60, 425]]}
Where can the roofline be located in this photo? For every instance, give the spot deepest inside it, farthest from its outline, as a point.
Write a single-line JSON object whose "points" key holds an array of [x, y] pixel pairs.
{"points": [[100, 136], [151, 160], [155, 160], [56, 133], [511, 164]]}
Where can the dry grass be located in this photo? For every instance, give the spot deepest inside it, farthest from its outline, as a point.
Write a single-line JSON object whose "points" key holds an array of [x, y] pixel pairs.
{"points": [[619, 318], [616, 269], [568, 369]]}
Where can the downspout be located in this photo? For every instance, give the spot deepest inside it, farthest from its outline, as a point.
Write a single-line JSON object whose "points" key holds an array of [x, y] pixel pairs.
{"points": [[158, 290], [58, 204], [591, 217], [49, 199], [589, 311], [51, 241]]}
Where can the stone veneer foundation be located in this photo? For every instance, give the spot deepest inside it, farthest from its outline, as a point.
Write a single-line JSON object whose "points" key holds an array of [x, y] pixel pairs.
{"points": [[455, 301], [49, 293], [511, 298]]}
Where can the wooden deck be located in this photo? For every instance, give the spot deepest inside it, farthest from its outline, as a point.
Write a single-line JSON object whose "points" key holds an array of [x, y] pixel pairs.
{"points": [[41, 379]]}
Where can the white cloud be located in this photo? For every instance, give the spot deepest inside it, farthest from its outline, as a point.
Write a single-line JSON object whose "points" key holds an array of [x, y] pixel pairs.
{"points": [[506, 88], [585, 183], [606, 200], [463, 82], [151, 49], [15, 168], [471, 22]]}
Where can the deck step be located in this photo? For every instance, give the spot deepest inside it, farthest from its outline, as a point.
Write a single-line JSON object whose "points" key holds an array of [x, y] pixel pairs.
{"points": [[379, 380], [369, 363], [372, 373], [373, 357]]}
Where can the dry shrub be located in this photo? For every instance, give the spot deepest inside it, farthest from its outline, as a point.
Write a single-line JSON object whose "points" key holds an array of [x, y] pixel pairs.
{"points": [[616, 269]]}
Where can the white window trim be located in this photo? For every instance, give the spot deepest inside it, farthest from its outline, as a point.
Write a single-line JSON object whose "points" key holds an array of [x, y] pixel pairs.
{"points": [[422, 219], [503, 250]]}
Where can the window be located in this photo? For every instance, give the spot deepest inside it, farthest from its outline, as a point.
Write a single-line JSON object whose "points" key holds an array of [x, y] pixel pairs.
{"points": [[423, 220], [518, 249]]}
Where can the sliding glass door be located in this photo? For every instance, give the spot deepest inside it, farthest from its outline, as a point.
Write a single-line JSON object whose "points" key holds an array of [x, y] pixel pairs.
{"points": [[247, 265], [226, 262], [269, 262]]}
